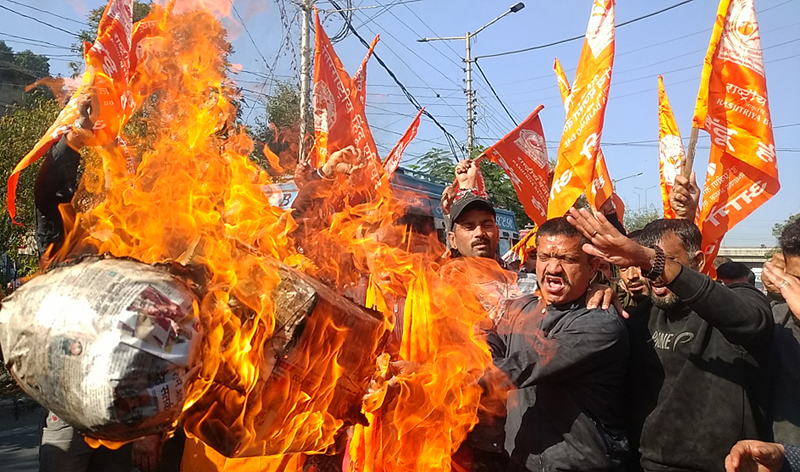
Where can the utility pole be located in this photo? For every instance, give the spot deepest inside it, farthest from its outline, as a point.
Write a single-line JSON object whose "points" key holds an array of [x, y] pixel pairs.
{"points": [[305, 71], [468, 93], [468, 69]]}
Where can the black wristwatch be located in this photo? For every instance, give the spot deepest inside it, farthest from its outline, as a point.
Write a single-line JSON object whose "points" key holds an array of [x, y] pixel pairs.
{"points": [[658, 265]]}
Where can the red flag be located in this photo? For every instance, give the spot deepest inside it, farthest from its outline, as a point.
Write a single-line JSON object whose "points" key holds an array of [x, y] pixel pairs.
{"points": [[108, 66], [522, 154], [393, 159], [360, 77], [577, 153], [339, 119], [732, 106]]}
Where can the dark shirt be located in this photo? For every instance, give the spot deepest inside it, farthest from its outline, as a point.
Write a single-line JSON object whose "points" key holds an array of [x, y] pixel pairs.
{"points": [[55, 184], [698, 382], [568, 364], [785, 375]]}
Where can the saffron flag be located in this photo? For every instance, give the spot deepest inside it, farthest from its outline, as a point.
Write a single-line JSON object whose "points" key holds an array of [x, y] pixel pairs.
{"points": [[522, 154], [393, 159], [577, 153], [732, 106], [108, 67], [360, 77], [670, 148], [337, 113], [601, 187]]}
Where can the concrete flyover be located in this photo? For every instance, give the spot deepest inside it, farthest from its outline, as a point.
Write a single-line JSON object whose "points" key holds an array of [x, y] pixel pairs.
{"points": [[753, 257]]}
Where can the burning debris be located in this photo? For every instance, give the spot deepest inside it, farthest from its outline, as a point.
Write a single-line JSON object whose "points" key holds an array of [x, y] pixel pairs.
{"points": [[278, 361]]}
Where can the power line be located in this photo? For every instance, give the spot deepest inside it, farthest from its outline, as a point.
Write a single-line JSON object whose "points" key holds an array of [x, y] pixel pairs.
{"points": [[480, 69], [36, 40], [47, 12], [450, 138], [575, 38], [40, 21]]}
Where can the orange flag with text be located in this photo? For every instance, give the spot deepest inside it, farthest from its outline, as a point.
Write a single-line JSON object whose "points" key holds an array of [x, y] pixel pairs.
{"points": [[522, 154], [108, 67], [577, 153], [670, 148], [601, 187], [339, 118], [360, 77], [392, 161], [732, 106]]}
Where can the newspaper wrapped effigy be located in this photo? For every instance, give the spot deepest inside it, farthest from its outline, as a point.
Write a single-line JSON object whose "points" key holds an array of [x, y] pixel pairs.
{"points": [[107, 344]]}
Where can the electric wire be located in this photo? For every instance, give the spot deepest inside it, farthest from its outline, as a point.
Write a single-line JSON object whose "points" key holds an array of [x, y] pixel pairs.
{"points": [[450, 138], [575, 38], [41, 22]]}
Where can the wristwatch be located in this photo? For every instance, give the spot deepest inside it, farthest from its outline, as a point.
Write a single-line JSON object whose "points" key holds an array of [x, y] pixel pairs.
{"points": [[658, 264]]}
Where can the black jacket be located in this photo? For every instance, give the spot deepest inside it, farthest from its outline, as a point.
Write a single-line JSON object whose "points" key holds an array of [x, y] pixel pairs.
{"points": [[55, 184], [568, 364], [785, 408], [698, 376]]}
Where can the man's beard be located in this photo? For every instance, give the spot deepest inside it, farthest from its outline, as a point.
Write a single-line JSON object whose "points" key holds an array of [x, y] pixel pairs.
{"points": [[667, 302]]}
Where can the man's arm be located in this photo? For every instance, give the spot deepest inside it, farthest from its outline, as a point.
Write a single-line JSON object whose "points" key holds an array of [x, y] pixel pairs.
{"points": [[592, 340], [57, 178], [55, 184], [743, 317], [740, 312]]}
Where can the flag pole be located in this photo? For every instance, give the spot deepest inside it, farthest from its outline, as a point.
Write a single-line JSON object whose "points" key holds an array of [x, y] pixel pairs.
{"points": [[687, 166]]}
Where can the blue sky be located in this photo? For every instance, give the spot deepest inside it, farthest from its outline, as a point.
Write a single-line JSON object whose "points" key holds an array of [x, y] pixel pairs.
{"points": [[672, 44]]}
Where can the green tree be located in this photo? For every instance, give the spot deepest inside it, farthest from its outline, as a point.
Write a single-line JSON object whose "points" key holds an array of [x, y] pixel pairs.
{"points": [[279, 128], [19, 132], [140, 10], [636, 219], [777, 229]]}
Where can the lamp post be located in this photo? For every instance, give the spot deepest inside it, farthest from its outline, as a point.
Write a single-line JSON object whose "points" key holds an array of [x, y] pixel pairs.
{"points": [[467, 38], [644, 190]]}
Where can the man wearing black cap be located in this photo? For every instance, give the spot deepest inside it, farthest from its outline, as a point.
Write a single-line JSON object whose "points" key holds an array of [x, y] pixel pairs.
{"points": [[473, 229]]}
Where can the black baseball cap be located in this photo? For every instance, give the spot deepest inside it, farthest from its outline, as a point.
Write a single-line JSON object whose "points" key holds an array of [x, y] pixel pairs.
{"points": [[469, 201]]}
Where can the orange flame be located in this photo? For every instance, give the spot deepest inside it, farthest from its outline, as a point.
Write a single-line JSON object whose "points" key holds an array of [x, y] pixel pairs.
{"points": [[196, 198]]}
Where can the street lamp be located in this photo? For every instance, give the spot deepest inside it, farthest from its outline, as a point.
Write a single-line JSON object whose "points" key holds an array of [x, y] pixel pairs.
{"points": [[467, 38], [644, 190]]}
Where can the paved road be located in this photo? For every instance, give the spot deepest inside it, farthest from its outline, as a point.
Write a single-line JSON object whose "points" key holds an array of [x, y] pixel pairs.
{"points": [[19, 443]]}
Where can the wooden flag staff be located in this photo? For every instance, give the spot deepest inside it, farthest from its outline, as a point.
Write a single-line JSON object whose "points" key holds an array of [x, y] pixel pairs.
{"points": [[687, 166]]}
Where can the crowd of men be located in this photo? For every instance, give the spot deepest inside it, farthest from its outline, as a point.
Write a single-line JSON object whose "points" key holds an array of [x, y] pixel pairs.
{"points": [[657, 368]]}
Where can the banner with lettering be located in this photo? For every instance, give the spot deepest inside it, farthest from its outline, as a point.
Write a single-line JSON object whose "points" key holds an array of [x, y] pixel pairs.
{"points": [[108, 66], [601, 187], [577, 153], [392, 161], [670, 148], [522, 154], [360, 77], [339, 118], [732, 106]]}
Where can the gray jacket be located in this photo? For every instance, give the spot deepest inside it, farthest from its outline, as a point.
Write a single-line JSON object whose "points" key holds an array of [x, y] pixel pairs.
{"points": [[568, 364]]}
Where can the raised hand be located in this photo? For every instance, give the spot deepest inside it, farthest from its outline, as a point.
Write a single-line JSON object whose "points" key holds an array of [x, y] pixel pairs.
{"points": [[608, 243], [788, 285], [343, 162], [467, 174], [685, 197]]}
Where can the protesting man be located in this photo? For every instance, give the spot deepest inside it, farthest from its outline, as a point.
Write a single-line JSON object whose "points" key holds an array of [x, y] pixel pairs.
{"points": [[699, 349], [780, 277], [568, 362]]}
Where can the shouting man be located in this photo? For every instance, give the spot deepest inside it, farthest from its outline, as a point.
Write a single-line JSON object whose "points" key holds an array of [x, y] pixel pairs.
{"points": [[568, 363]]}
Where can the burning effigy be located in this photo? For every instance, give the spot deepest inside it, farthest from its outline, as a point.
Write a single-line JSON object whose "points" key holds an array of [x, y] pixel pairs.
{"points": [[187, 299]]}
